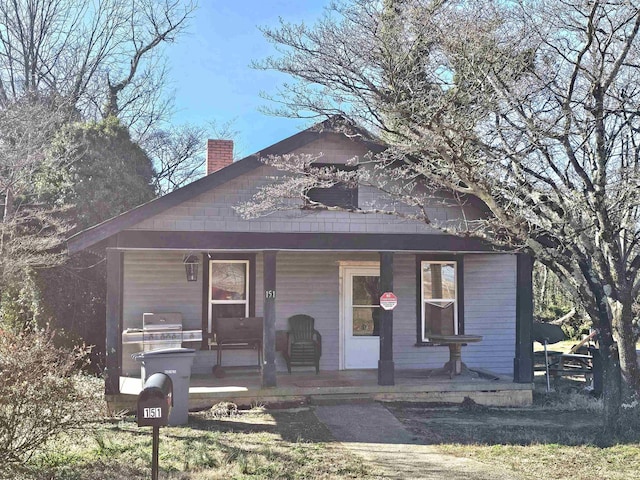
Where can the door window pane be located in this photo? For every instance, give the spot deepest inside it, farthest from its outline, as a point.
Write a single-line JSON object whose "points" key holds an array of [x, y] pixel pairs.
{"points": [[228, 281], [366, 306], [366, 321], [228, 289], [366, 290]]}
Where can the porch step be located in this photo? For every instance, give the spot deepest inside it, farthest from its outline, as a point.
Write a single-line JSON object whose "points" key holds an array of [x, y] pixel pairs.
{"points": [[340, 398]]}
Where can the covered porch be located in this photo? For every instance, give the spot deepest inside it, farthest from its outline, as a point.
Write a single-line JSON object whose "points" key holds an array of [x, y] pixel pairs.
{"points": [[143, 274], [303, 274]]}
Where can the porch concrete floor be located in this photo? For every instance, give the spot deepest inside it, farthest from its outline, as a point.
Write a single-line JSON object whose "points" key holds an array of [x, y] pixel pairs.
{"points": [[303, 387]]}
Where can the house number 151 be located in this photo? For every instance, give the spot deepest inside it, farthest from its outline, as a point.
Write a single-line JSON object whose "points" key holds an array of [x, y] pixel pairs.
{"points": [[269, 294]]}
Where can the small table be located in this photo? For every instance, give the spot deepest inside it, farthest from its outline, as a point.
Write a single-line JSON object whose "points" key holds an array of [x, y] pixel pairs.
{"points": [[455, 342]]}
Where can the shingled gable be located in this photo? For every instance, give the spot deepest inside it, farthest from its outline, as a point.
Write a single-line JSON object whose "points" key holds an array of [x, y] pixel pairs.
{"points": [[117, 224]]}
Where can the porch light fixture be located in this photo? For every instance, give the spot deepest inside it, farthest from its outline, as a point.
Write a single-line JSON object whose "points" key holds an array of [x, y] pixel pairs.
{"points": [[191, 263]]}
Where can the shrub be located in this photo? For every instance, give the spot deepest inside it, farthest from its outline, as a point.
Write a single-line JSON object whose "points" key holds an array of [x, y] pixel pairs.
{"points": [[222, 410], [40, 395]]}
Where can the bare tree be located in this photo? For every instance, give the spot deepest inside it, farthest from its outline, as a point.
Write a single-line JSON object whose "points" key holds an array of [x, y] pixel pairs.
{"points": [[178, 155], [26, 128], [530, 106], [63, 60], [30, 233], [103, 56], [31, 239], [42, 395]]}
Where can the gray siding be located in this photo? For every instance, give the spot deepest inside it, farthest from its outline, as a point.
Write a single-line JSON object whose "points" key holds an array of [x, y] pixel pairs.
{"points": [[308, 282], [405, 320], [335, 148], [156, 282], [213, 210], [490, 311]]}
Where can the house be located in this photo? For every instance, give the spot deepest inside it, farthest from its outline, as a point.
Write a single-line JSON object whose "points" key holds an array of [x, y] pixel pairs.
{"points": [[331, 265]]}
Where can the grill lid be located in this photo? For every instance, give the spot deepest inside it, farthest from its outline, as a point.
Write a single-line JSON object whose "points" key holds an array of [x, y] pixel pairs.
{"points": [[161, 321], [160, 330]]}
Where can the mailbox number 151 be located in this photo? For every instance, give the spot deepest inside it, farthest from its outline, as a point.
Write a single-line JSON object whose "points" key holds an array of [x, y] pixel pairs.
{"points": [[155, 412], [269, 294]]}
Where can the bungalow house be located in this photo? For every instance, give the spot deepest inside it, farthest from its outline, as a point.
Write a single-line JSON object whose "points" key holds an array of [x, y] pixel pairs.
{"points": [[330, 265]]}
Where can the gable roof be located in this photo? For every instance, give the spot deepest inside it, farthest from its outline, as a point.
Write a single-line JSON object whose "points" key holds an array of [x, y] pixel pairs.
{"points": [[112, 226]]}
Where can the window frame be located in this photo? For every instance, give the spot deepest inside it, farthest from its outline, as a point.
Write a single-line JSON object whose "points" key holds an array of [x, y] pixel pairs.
{"points": [[421, 339], [244, 302], [250, 309]]}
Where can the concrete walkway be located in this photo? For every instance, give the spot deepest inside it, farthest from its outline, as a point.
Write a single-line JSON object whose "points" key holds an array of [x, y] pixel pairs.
{"points": [[371, 431]]}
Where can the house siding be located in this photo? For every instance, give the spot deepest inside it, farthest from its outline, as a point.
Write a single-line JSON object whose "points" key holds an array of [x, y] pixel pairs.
{"points": [[335, 148], [213, 210], [490, 311], [156, 282], [308, 282], [405, 319]]}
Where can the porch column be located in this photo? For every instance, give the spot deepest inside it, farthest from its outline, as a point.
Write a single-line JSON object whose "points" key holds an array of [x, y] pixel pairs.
{"points": [[113, 343], [385, 364], [523, 361], [269, 325]]}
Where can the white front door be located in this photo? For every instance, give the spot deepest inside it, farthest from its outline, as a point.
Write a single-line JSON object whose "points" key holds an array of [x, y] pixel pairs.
{"points": [[361, 303]]}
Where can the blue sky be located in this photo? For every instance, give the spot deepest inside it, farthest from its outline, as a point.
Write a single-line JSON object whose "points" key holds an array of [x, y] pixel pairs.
{"points": [[210, 70]]}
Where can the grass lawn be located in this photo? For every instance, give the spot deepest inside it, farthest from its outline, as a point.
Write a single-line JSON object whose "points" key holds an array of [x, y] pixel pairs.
{"points": [[254, 444], [555, 462], [560, 437], [557, 438]]}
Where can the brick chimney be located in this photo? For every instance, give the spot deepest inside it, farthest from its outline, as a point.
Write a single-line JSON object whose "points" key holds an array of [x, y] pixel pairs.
{"points": [[219, 154]]}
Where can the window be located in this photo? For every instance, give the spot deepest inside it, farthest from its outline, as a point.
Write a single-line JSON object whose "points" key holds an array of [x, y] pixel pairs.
{"points": [[440, 290], [365, 308], [339, 195], [228, 290]]}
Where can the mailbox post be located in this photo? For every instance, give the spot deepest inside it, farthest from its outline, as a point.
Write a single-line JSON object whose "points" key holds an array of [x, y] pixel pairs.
{"points": [[154, 404]]}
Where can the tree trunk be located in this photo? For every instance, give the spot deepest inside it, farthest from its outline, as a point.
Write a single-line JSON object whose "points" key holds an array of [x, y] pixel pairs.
{"points": [[623, 335], [111, 108], [621, 375], [611, 389]]}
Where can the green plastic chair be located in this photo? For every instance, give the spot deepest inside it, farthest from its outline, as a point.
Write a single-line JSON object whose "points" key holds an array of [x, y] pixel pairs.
{"points": [[304, 343]]}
